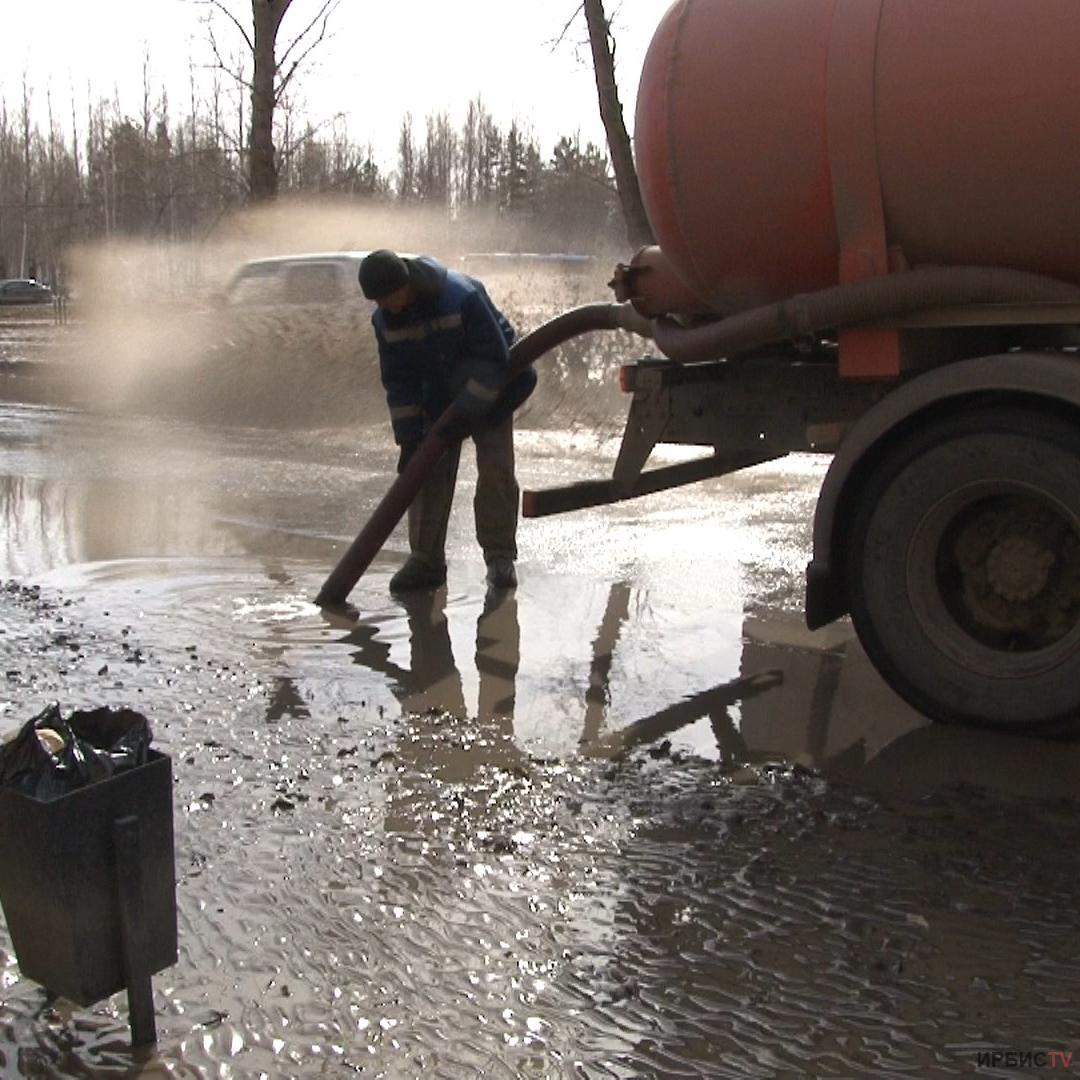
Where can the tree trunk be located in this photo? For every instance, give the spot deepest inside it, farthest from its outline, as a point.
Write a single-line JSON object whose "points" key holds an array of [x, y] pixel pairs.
{"points": [[638, 230], [262, 167]]}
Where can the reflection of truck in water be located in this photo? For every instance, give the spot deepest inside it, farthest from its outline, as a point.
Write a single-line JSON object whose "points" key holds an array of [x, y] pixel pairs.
{"points": [[869, 244]]}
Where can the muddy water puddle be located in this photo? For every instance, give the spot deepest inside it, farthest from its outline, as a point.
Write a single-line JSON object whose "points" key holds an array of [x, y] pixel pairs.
{"points": [[629, 820]]}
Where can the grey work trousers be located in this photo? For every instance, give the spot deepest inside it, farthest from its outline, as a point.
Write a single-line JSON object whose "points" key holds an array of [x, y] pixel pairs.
{"points": [[495, 504]]}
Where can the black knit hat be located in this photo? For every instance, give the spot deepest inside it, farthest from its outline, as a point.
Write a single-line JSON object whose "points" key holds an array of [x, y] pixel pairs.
{"points": [[381, 273]]}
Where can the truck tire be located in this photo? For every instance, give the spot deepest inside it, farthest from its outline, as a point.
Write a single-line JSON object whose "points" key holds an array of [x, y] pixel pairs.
{"points": [[964, 570]]}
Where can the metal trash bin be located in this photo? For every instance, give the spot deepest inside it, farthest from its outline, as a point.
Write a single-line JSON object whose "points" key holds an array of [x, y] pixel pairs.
{"points": [[88, 887]]}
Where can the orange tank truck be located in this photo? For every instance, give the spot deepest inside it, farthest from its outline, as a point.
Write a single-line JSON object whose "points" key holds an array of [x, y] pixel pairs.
{"points": [[867, 222]]}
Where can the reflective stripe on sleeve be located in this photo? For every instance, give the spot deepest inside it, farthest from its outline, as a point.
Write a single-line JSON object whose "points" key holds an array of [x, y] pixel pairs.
{"points": [[481, 392]]}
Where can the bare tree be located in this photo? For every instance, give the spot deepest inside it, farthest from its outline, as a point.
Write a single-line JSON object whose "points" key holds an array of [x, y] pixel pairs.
{"points": [[28, 174], [407, 179], [438, 161], [271, 76], [602, 45]]}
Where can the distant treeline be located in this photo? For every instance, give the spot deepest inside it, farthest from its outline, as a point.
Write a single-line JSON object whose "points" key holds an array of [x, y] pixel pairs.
{"points": [[111, 175]]}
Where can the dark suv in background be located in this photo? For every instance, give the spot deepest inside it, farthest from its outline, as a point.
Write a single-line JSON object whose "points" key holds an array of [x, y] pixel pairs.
{"points": [[24, 291]]}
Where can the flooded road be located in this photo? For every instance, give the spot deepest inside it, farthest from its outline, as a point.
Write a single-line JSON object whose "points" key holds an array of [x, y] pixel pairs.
{"points": [[630, 820]]}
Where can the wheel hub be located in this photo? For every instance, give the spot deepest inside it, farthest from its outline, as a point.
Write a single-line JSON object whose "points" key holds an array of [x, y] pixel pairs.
{"points": [[1018, 568]]}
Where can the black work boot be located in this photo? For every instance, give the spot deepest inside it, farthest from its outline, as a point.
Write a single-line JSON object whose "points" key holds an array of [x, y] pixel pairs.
{"points": [[501, 573], [419, 572]]}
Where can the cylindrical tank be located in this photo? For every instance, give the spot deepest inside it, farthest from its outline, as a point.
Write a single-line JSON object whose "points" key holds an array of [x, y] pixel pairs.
{"points": [[776, 138]]}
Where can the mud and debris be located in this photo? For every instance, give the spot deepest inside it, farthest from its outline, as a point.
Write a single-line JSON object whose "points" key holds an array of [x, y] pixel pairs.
{"points": [[631, 820]]}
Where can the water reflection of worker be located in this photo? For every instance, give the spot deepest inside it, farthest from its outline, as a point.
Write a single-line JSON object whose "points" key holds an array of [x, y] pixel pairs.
{"points": [[442, 340], [432, 683], [498, 653], [443, 749]]}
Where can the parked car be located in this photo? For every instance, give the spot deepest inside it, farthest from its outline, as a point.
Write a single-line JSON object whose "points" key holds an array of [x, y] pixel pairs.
{"points": [[327, 277], [24, 291]]}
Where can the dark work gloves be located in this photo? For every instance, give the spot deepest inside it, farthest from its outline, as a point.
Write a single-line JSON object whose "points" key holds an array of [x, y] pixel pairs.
{"points": [[514, 394], [468, 419], [405, 452]]}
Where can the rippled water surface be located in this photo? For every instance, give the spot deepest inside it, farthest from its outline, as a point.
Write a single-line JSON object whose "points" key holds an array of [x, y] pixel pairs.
{"points": [[631, 820]]}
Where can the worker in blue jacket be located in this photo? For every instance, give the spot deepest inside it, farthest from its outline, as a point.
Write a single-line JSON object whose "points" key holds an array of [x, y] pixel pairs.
{"points": [[442, 340]]}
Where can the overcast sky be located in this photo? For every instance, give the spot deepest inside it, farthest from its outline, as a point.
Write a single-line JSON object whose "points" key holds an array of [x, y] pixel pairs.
{"points": [[384, 59]]}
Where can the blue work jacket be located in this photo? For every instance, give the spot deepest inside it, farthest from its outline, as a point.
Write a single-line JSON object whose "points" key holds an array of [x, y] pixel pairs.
{"points": [[451, 343]]}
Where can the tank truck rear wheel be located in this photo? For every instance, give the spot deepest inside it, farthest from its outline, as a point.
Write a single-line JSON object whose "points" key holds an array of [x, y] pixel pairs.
{"points": [[964, 571]]}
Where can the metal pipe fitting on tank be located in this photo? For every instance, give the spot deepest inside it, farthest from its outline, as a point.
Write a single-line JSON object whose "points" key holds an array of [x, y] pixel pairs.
{"points": [[887, 297], [650, 283]]}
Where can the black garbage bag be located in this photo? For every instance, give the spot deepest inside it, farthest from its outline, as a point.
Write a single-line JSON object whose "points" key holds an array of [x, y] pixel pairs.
{"points": [[51, 755]]}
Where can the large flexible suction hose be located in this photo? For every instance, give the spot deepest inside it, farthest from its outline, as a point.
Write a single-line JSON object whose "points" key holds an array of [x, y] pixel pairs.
{"points": [[405, 488], [890, 296]]}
